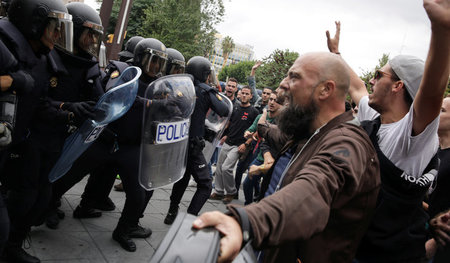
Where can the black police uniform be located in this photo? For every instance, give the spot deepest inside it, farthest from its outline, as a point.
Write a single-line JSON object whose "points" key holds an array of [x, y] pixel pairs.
{"points": [[28, 193], [75, 79], [117, 150], [207, 97]]}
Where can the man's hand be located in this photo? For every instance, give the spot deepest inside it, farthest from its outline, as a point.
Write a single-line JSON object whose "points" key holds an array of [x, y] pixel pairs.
{"points": [[223, 139], [82, 110], [439, 12], [5, 136], [241, 148], [333, 43], [248, 134], [440, 226], [255, 67], [231, 242]]}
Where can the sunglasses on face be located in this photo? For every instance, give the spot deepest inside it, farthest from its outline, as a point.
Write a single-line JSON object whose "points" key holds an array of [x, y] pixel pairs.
{"points": [[379, 74]]}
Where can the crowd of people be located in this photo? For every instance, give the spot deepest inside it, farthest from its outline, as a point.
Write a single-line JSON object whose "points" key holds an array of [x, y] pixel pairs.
{"points": [[325, 182]]}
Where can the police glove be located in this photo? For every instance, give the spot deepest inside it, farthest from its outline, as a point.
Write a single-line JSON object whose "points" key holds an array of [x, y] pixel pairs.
{"points": [[5, 136], [81, 110], [22, 83]]}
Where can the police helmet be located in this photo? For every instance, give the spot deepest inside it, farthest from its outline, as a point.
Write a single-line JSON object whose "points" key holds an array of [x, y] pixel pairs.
{"points": [[128, 52], [87, 27], [4, 7], [201, 69], [175, 62], [151, 56], [48, 19]]}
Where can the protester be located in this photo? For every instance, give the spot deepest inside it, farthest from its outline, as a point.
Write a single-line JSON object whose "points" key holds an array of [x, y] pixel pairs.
{"points": [[234, 144], [231, 89], [403, 110], [332, 175], [439, 203], [258, 167]]}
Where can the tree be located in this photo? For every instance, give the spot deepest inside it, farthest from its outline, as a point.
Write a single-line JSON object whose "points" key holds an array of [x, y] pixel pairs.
{"points": [[275, 68], [135, 20], [239, 71], [227, 48], [367, 75], [186, 25]]}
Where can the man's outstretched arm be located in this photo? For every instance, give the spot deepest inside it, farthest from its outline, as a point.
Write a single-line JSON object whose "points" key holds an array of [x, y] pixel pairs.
{"points": [[427, 103]]}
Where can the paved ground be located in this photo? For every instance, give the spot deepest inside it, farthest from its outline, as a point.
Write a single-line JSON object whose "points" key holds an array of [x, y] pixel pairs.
{"points": [[89, 240]]}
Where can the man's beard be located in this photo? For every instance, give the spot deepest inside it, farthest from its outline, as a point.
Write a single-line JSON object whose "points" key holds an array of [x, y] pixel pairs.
{"points": [[296, 121]]}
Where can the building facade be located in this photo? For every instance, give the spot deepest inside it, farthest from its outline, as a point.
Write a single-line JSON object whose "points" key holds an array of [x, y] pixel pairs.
{"points": [[240, 53]]}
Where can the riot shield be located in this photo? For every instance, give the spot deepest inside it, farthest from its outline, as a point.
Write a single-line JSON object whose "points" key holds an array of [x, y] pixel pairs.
{"points": [[165, 130], [111, 106], [214, 128]]}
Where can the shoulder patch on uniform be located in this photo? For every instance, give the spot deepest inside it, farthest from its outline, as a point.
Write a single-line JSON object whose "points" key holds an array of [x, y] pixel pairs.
{"points": [[115, 74], [53, 82], [218, 97]]}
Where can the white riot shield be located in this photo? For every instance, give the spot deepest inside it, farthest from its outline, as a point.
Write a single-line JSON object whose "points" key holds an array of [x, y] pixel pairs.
{"points": [[214, 128], [165, 130], [111, 106]]}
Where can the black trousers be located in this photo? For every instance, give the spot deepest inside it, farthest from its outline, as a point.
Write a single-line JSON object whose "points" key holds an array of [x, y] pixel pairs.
{"points": [[4, 224], [198, 168], [29, 190], [101, 161]]}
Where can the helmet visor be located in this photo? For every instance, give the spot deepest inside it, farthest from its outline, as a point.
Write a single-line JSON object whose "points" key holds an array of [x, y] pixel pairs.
{"points": [[90, 41], [212, 78], [177, 67], [154, 63], [60, 30]]}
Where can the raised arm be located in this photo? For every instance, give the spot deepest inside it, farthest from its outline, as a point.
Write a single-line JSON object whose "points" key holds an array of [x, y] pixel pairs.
{"points": [[427, 103], [357, 88], [252, 82]]}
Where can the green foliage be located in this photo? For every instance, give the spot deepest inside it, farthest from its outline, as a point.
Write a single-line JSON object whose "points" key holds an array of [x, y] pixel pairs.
{"points": [[367, 75], [239, 71], [186, 25], [136, 17], [274, 68]]}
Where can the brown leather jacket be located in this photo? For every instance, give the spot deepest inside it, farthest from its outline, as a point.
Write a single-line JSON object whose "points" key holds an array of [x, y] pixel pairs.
{"points": [[326, 201]]}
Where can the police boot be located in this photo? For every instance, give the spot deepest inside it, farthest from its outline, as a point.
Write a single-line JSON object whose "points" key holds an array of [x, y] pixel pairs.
{"points": [[14, 252], [122, 235], [86, 212], [171, 215], [53, 217], [138, 231]]}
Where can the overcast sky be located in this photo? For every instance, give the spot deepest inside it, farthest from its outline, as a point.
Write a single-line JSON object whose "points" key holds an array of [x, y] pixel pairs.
{"points": [[369, 28]]}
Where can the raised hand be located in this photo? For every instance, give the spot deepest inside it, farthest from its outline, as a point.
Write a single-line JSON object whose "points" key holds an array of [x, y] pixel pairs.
{"points": [[439, 12], [333, 43]]}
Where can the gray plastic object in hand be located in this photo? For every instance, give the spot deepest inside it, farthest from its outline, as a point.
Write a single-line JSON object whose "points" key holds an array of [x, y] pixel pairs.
{"points": [[183, 244]]}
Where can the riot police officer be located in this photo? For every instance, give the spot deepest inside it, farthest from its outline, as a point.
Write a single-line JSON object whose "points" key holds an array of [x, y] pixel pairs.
{"points": [[118, 148], [33, 29], [207, 97], [127, 53], [75, 87], [175, 62]]}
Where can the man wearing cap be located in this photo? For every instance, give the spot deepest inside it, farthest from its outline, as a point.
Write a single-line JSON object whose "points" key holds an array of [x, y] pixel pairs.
{"points": [[402, 115]]}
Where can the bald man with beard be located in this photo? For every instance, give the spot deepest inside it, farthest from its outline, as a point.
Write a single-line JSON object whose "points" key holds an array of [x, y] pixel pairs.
{"points": [[324, 183]]}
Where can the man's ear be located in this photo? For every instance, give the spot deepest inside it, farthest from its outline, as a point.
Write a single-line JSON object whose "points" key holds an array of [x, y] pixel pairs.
{"points": [[326, 89], [398, 85]]}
